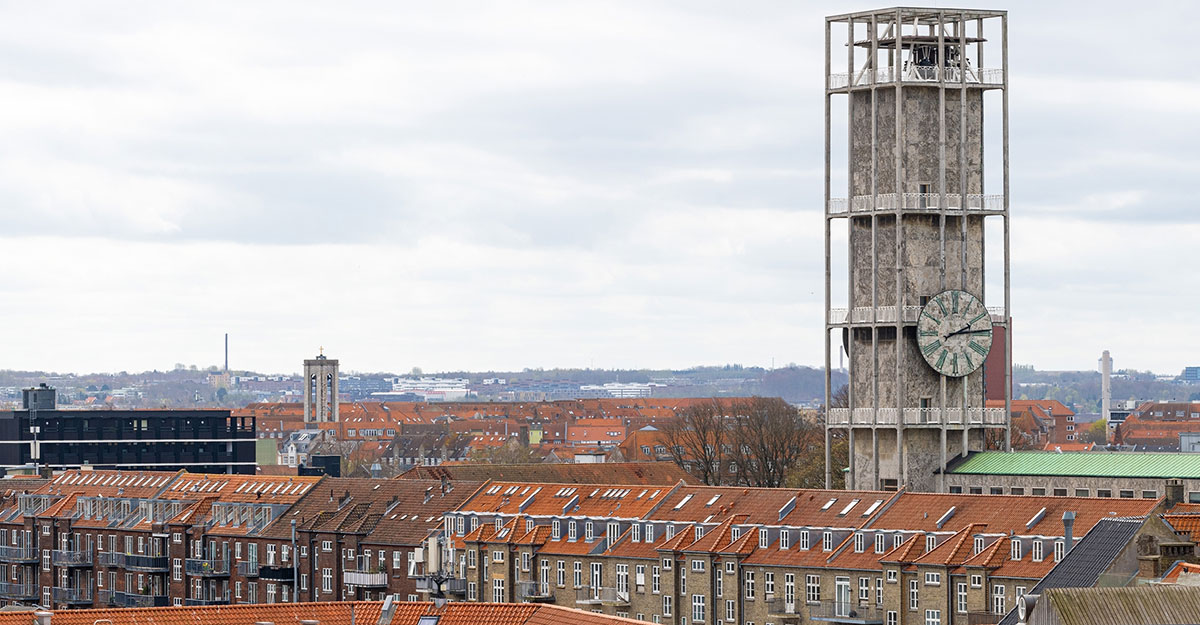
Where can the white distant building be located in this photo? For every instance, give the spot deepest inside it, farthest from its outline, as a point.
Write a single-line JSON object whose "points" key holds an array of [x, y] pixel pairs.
{"points": [[619, 389], [434, 389]]}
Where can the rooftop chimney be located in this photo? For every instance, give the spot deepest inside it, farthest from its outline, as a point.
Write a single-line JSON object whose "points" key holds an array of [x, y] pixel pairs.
{"points": [[1174, 492], [42, 617], [1068, 530]]}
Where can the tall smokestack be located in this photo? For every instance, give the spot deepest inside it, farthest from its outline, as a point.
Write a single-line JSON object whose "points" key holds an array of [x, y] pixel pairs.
{"points": [[227, 352], [1106, 390]]}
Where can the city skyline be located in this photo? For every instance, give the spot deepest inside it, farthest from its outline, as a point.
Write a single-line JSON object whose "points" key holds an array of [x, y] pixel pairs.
{"points": [[470, 188]]}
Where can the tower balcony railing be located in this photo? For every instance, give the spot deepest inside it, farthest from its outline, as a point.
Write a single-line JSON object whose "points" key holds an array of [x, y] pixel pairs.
{"points": [[18, 554], [533, 591], [878, 314], [917, 74], [72, 595], [603, 595], [915, 416], [207, 567], [65, 557], [18, 591], [975, 202]]}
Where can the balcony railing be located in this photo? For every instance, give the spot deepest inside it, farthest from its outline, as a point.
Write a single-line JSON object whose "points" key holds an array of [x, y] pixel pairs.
{"points": [[247, 569], [207, 568], [139, 562], [193, 601], [277, 573], [452, 586], [839, 612], [601, 595], [72, 595], [18, 591], [917, 74], [373, 579], [916, 416], [915, 202], [131, 599], [776, 606], [18, 554], [71, 558], [533, 592]]}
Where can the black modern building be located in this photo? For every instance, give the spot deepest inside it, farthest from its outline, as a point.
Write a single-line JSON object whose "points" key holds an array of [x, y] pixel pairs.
{"points": [[209, 441]]}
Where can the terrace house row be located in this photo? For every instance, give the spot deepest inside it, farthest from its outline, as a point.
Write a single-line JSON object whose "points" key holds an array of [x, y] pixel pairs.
{"points": [[750, 556], [141, 539]]}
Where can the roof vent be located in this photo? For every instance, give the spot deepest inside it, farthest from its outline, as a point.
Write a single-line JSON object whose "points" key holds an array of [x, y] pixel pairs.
{"points": [[1037, 518], [946, 517], [787, 508]]}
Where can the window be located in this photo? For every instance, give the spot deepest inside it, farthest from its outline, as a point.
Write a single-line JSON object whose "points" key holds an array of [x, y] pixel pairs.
{"points": [[785, 541], [1039, 492], [177, 569], [555, 529], [636, 535], [698, 566], [326, 580], [749, 584], [730, 567], [1037, 550], [976, 581], [327, 545], [1060, 492], [498, 590], [933, 617], [892, 618], [560, 574], [827, 541], [956, 490], [769, 583], [961, 594], [978, 544], [1082, 492], [864, 589], [572, 533], [471, 558], [1016, 490], [998, 603], [731, 610], [667, 600], [640, 577], [812, 588], [303, 581], [1016, 549], [789, 588], [891, 576], [666, 564], [996, 490], [577, 574], [804, 537], [879, 590], [177, 538], [472, 591], [623, 578], [649, 533], [763, 538], [1126, 494], [930, 542], [589, 531], [1059, 550], [913, 597], [654, 580], [697, 608], [880, 543], [933, 579], [1149, 494], [859, 542], [1103, 492]]}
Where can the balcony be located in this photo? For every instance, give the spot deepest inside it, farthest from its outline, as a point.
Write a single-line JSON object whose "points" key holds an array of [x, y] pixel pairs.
{"points": [[784, 610], [277, 573], [916, 202], [18, 591], [910, 73], [191, 601], [600, 595], [451, 586], [139, 562], [207, 568], [247, 569], [890, 314], [916, 417], [838, 612], [534, 592], [366, 579], [72, 595], [27, 555], [130, 599], [62, 557]]}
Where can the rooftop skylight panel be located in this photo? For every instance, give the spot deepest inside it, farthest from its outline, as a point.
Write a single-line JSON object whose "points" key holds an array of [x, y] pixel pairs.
{"points": [[594, 493], [829, 504], [853, 502], [712, 501], [655, 494], [683, 501], [872, 507], [240, 487], [642, 494]]}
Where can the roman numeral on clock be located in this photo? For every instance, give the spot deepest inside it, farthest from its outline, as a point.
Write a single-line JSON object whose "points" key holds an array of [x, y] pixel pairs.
{"points": [[979, 349], [932, 347]]}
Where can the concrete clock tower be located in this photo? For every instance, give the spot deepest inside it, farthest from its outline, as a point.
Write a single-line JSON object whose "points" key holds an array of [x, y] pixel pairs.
{"points": [[914, 320]]}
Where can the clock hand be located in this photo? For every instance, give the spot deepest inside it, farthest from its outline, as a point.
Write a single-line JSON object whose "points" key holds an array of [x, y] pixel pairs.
{"points": [[966, 330]]}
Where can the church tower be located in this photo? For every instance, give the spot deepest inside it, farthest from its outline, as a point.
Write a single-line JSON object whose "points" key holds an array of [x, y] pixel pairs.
{"points": [[912, 318], [320, 389]]}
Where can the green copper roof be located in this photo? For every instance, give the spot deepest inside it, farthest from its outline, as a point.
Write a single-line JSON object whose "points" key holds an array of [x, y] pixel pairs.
{"points": [[1092, 464]]}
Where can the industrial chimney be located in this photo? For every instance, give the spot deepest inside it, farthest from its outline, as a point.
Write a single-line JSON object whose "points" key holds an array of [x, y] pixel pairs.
{"points": [[1106, 392]]}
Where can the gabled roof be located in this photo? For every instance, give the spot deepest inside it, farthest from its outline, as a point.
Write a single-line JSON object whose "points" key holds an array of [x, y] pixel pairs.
{"points": [[1082, 566], [1139, 605], [954, 551], [327, 613], [1077, 464], [1005, 514], [624, 473], [544, 499]]}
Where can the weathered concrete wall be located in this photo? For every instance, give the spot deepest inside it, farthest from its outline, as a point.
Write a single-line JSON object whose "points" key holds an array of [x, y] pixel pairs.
{"points": [[1092, 484]]}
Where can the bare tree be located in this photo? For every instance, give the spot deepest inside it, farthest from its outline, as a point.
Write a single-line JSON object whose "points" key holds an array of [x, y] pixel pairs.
{"points": [[770, 439], [697, 439]]}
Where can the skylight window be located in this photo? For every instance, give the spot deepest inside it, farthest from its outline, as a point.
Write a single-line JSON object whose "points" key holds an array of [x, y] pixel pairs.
{"points": [[683, 502], [829, 504], [873, 507], [712, 501], [853, 502]]}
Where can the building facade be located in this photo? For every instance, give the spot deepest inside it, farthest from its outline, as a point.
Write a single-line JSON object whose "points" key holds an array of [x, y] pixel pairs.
{"points": [[320, 389]]}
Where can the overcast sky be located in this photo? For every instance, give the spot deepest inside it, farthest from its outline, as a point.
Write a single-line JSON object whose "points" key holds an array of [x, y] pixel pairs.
{"points": [[502, 185]]}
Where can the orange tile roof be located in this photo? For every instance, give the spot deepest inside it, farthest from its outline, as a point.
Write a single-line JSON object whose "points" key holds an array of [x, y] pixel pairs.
{"points": [[327, 613], [592, 500], [815, 508], [274, 489], [1188, 524], [1004, 513], [628, 473]]}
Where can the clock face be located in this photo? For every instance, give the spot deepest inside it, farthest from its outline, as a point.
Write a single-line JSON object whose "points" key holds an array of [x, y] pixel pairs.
{"points": [[954, 333]]}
